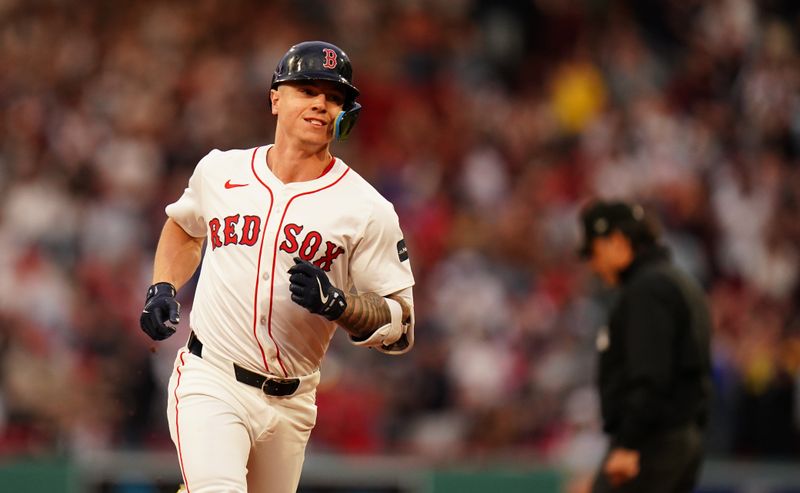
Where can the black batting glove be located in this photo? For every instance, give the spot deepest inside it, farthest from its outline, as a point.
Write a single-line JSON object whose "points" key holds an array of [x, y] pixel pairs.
{"points": [[312, 290], [160, 307]]}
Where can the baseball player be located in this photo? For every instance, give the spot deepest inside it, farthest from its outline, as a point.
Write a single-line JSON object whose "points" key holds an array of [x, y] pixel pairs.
{"points": [[296, 244]]}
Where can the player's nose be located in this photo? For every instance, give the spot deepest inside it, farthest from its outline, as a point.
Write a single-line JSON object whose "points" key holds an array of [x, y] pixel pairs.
{"points": [[319, 102]]}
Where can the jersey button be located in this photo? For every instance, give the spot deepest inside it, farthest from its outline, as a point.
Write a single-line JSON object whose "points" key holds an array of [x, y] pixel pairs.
{"points": [[265, 276], [263, 319]]}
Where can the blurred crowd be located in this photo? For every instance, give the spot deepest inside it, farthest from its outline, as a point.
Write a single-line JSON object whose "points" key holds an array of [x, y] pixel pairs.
{"points": [[488, 123]]}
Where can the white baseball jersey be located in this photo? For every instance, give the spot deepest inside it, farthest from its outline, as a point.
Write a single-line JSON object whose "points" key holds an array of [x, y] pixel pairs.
{"points": [[254, 226]]}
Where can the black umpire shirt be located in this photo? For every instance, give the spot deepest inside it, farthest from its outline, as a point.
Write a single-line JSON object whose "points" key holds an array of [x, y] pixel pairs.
{"points": [[654, 365]]}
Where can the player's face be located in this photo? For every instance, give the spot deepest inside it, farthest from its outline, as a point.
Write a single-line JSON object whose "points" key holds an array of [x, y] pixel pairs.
{"points": [[307, 110]]}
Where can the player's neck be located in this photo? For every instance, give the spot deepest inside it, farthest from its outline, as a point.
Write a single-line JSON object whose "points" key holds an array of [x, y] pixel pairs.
{"points": [[295, 164]]}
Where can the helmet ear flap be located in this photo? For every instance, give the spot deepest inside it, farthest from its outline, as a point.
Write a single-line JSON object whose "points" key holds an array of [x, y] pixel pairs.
{"points": [[345, 121]]}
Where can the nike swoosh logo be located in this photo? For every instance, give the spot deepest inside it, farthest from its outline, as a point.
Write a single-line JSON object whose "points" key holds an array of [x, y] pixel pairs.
{"points": [[323, 299], [230, 185]]}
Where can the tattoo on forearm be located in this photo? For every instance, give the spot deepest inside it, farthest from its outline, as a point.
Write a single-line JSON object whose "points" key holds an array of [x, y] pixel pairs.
{"points": [[366, 312]]}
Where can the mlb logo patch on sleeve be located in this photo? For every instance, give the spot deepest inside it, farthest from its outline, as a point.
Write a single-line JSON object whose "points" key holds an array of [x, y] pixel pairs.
{"points": [[402, 251]]}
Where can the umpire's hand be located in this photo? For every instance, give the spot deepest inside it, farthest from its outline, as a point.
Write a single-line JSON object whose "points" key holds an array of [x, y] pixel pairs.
{"points": [[622, 465], [160, 307], [311, 289]]}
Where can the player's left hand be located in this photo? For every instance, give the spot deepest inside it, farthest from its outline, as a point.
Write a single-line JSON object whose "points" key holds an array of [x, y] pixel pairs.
{"points": [[312, 290]]}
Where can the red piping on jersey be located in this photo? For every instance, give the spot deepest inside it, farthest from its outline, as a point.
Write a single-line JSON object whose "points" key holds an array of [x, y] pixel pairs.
{"points": [[275, 256], [327, 168], [177, 426], [258, 269]]}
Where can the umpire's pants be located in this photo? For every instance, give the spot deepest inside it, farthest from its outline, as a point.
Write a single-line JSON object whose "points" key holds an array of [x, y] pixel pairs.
{"points": [[669, 463]]}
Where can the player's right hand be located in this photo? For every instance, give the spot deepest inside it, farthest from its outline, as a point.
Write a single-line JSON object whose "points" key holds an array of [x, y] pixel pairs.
{"points": [[160, 307]]}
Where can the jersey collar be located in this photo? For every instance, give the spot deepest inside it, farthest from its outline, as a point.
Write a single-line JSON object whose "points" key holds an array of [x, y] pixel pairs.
{"points": [[335, 169]]}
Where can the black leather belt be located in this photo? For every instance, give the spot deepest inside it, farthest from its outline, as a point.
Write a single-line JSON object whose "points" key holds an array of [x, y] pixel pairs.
{"points": [[279, 387]]}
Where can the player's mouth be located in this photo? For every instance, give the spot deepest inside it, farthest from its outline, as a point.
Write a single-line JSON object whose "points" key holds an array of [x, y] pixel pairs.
{"points": [[317, 122]]}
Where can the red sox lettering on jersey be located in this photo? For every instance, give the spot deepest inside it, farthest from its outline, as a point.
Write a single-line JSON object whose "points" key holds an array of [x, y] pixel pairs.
{"points": [[234, 231], [243, 229], [309, 246]]}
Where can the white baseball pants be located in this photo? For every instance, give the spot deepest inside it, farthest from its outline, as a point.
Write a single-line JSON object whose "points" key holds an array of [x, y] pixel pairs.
{"points": [[234, 438]]}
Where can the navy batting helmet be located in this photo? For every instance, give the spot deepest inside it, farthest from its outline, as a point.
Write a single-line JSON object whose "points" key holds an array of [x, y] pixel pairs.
{"points": [[318, 60]]}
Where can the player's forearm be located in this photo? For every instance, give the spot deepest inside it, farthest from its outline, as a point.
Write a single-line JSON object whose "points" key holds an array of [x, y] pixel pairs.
{"points": [[177, 255], [367, 312]]}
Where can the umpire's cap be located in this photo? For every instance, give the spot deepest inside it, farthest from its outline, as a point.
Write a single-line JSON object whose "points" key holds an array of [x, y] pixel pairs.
{"points": [[600, 218], [316, 60]]}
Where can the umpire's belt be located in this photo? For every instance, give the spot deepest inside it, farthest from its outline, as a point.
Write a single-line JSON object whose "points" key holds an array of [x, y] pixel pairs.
{"points": [[270, 385]]}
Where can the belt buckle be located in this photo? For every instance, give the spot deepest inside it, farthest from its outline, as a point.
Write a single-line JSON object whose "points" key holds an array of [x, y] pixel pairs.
{"points": [[280, 387]]}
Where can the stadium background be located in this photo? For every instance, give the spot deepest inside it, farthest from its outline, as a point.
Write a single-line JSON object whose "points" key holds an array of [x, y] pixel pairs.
{"points": [[488, 123]]}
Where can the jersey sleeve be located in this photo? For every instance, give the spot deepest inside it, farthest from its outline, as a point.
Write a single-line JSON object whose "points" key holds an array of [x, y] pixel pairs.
{"points": [[380, 262], [187, 210]]}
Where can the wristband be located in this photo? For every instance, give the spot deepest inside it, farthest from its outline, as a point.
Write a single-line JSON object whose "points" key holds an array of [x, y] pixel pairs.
{"points": [[396, 309], [160, 287]]}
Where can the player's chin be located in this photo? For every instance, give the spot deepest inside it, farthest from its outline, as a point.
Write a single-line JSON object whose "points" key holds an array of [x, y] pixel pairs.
{"points": [[319, 135], [316, 141]]}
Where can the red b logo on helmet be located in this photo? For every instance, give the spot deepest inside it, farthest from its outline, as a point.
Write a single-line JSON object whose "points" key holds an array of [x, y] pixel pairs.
{"points": [[330, 58]]}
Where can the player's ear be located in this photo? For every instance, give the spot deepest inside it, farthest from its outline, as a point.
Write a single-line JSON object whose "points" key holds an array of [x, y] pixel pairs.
{"points": [[274, 95]]}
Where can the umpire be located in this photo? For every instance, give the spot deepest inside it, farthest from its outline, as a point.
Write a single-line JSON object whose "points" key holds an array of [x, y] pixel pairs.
{"points": [[654, 356]]}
